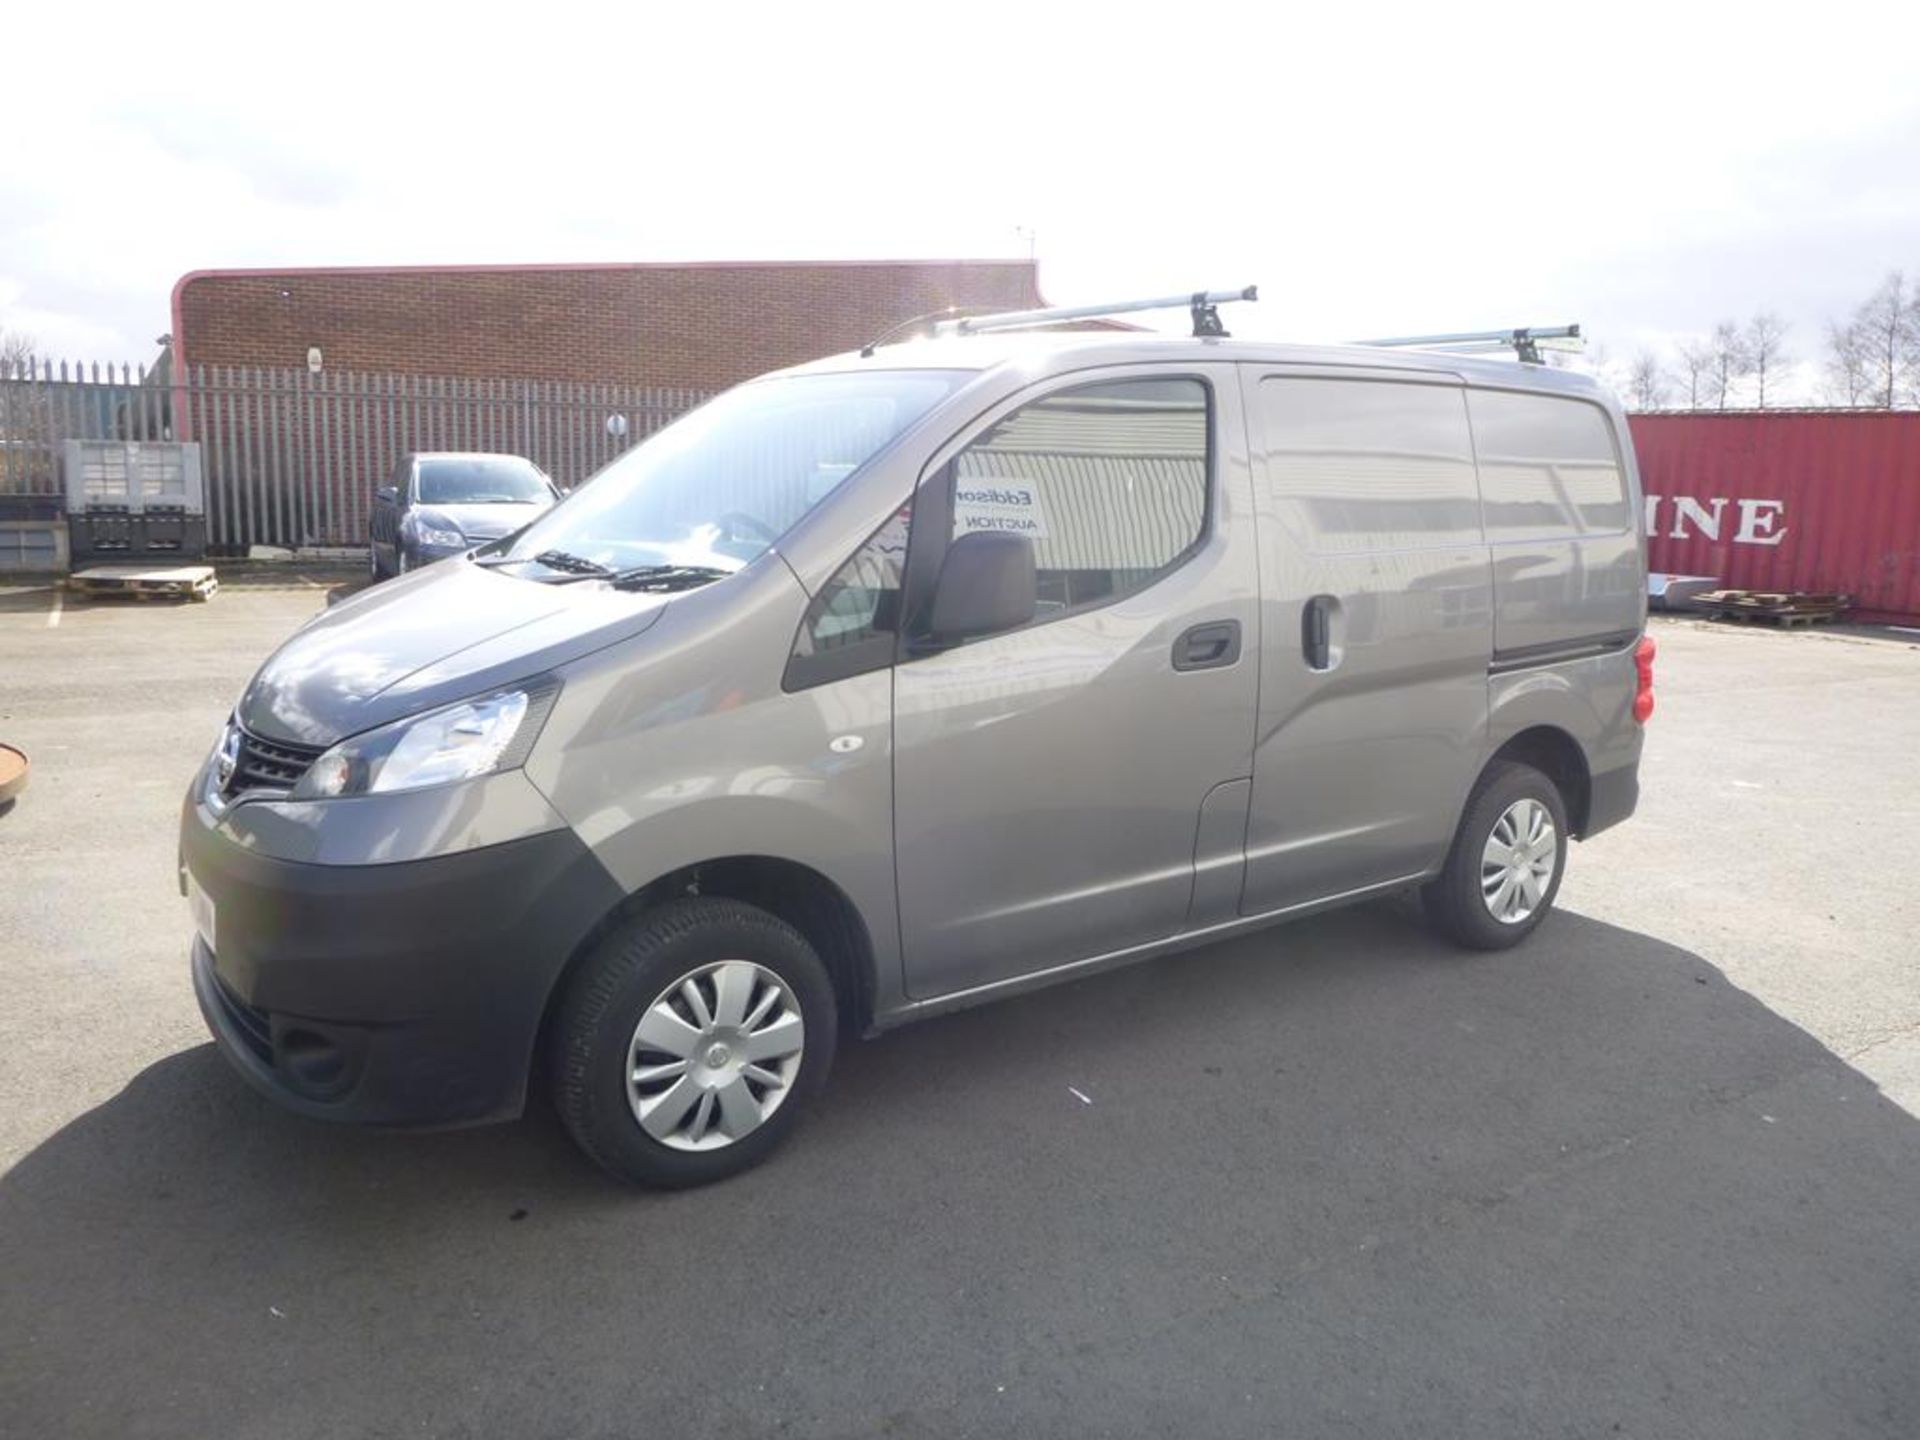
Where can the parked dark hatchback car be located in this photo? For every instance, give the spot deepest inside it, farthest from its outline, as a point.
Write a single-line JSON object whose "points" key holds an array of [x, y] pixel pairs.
{"points": [[443, 503]]}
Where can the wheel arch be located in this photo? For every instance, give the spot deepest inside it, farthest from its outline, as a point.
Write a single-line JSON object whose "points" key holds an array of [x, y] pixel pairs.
{"points": [[800, 895], [1557, 755]]}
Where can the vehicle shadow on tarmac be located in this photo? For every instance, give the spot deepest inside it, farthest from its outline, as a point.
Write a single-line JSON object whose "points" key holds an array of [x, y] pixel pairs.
{"points": [[1330, 1179]]}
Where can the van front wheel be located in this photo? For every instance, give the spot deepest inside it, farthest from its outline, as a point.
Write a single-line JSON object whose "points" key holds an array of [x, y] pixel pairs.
{"points": [[1507, 858], [690, 1040]]}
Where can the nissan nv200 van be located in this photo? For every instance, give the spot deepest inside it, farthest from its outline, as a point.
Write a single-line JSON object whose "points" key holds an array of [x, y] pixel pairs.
{"points": [[907, 680]]}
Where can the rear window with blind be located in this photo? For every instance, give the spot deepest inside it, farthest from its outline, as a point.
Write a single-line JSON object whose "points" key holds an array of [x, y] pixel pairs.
{"points": [[1549, 467], [1366, 466]]}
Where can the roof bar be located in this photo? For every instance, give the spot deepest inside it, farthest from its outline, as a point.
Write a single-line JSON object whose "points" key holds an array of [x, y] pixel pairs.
{"points": [[1206, 319], [1525, 339]]}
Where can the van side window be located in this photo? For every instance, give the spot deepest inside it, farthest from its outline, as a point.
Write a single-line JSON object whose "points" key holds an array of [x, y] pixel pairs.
{"points": [[1109, 481], [1549, 468], [1360, 466], [850, 625]]}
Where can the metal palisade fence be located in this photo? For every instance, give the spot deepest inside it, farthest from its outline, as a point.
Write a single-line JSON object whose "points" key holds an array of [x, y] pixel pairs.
{"points": [[292, 458]]}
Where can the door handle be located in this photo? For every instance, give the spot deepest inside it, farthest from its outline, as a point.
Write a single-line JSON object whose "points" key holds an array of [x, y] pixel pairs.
{"points": [[1316, 633], [1207, 647]]}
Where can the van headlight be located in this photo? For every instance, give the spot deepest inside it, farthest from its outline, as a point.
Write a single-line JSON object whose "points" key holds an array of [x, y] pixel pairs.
{"points": [[457, 742]]}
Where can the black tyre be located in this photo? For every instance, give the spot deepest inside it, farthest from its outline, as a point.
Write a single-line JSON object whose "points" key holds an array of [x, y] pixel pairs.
{"points": [[374, 573], [1507, 858], [690, 1041]]}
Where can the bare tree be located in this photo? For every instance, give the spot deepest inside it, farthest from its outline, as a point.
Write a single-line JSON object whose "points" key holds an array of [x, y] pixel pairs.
{"points": [[1765, 343], [16, 349], [26, 419], [1696, 363], [1728, 363], [1587, 358], [1849, 366], [1887, 331], [1646, 381], [1604, 367]]}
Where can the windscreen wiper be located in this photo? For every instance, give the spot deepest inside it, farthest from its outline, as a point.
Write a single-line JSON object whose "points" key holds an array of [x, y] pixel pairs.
{"points": [[572, 566], [665, 577], [639, 577]]}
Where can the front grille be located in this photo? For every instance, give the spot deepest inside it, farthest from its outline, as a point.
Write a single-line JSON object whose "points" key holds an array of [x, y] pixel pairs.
{"points": [[269, 764]]}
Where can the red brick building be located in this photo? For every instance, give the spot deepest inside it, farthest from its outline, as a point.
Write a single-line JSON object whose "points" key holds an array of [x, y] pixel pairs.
{"points": [[701, 326]]}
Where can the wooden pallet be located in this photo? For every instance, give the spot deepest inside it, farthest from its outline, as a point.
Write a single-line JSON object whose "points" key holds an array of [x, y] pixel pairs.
{"points": [[1774, 607], [173, 582], [1783, 619]]}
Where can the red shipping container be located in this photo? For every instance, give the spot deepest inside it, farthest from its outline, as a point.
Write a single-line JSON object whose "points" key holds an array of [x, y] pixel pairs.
{"points": [[1809, 500]]}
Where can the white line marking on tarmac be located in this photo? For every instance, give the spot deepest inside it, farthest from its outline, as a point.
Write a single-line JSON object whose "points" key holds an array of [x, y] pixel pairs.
{"points": [[53, 615]]}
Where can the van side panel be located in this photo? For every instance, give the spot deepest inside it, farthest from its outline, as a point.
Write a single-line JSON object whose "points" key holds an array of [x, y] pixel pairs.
{"points": [[1369, 513], [1556, 493], [1590, 699], [1057, 785], [698, 754]]}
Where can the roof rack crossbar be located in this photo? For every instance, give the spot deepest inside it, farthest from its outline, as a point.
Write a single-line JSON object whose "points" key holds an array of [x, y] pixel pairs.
{"points": [[1201, 303], [1525, 340]]}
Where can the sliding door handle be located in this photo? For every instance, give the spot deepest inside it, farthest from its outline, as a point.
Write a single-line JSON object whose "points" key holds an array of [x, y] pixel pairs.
{"points": [[1316, 633]]}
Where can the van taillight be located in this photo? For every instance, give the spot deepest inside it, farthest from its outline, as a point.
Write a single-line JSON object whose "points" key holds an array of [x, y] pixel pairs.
{"points": [[1643, 687]]}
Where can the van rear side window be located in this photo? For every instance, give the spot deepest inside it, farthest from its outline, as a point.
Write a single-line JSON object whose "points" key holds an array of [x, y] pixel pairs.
{"points": [[1549, 469], [1370, 465]]}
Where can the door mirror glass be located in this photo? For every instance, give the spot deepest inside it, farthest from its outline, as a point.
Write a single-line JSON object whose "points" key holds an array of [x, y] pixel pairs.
{"points": [[987, 584]]}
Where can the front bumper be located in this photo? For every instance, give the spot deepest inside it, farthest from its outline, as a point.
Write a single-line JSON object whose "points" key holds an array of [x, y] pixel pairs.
{"points": [[398, 994]]}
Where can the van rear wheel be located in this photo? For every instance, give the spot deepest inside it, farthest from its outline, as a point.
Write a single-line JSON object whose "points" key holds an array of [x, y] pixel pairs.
{"points": [[690, 1041], [1508, 856]]}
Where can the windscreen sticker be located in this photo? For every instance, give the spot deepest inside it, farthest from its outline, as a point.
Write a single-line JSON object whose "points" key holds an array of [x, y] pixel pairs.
{"points": [[999, 504]]}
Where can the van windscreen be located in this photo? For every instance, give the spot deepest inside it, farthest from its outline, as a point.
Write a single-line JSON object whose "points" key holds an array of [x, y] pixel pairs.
{"points": [[718, 486]]}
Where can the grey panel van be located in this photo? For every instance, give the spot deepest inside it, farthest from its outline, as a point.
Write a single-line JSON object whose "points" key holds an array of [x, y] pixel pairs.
{"points": [[908, 680]]}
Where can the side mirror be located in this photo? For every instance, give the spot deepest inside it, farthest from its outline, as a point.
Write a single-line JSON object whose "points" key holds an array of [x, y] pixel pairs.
{"points": [[387, 493], [986, 585]]}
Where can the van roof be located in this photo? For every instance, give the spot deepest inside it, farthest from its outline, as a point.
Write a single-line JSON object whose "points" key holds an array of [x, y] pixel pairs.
{"points": [[1089, 348]]}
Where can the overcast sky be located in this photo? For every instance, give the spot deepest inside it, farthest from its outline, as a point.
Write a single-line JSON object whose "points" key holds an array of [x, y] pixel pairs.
{"points": [[1646, 170]]}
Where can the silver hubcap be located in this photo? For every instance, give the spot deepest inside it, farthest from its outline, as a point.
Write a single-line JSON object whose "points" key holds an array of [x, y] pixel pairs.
{"points": [[1517, 866], [714, 1056]]}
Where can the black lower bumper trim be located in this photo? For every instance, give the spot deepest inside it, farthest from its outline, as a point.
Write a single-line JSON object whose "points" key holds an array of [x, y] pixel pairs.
{"points": [[1613, 796], [406, 994]]}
